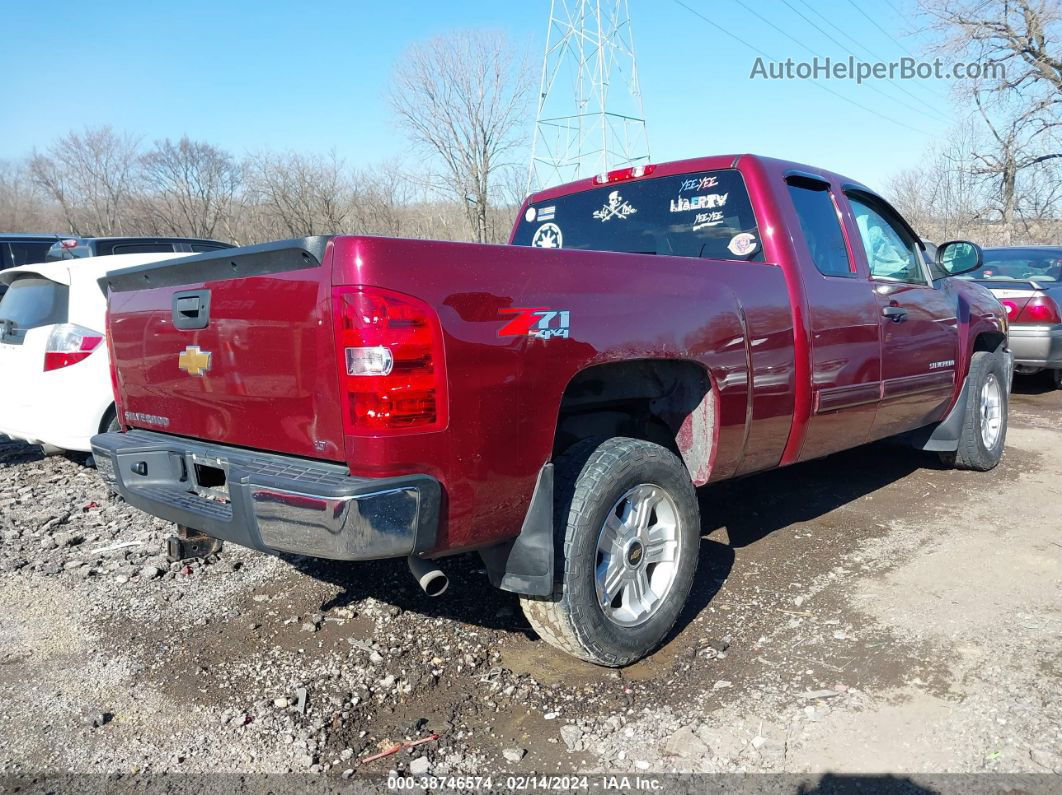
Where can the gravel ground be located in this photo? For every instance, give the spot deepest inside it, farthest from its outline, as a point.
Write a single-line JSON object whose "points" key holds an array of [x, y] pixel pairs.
{"points": [[868, 613]]}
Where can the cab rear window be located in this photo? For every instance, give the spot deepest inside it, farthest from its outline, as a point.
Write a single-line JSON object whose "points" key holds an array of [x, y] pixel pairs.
{"points": [[706, 215], [31, 302]]}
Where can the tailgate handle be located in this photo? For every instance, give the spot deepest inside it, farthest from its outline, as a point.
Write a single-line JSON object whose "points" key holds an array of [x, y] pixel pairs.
{"points": [[191, 310]]}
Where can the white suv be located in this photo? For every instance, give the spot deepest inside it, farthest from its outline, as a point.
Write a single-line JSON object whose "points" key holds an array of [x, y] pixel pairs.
{"points": [[54, 362]]}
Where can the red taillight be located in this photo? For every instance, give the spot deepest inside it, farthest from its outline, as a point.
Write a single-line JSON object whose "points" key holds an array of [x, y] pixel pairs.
{"points": [[1011, 309], [621, 174], [390, 356], [68, 244], [1040, 310], [69, 344]]}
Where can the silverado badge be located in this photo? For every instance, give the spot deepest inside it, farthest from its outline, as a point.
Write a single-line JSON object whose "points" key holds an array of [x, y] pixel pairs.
{"points": [[194, 361]]}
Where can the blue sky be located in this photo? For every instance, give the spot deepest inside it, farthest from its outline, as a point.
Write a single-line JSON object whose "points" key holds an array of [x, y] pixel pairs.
{"points": [[311, 76]]}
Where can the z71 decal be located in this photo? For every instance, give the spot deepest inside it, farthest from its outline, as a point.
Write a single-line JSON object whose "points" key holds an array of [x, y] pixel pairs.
{"points": [[536, 322]]}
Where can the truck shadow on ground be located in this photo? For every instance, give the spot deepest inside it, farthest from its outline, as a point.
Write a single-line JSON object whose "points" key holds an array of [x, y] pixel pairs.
{"points": [[752, 508], [748, 509], [1038, 384]]}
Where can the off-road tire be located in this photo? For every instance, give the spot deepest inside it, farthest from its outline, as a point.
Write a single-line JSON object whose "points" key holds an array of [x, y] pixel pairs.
{"points": [[588, 481], [972, 452]]}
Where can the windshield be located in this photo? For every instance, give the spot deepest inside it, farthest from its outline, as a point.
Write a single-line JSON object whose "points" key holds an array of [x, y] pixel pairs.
{"points": [[705, 215], [1043, 265]]}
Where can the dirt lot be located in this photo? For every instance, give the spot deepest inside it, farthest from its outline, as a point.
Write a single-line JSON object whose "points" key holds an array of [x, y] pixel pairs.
{"points": [[871, 612]]}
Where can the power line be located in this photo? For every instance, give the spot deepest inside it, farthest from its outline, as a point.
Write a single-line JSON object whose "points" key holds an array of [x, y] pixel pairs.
{"points": [[756, 49], [892, 82], [815, 54], [864, 48], [879, 27]]}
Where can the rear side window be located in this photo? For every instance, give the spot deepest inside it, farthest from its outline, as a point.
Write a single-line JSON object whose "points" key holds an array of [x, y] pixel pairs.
{"points": [[139, 248], [29, 252], [821, 227], [206, 247], [706, 214], [31, 302]]}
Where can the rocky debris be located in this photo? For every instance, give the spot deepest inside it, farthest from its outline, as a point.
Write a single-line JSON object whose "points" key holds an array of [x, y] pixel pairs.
{"points": [[97, 720], [572, 736], [514, 754], [686, 743], [419, 766]]}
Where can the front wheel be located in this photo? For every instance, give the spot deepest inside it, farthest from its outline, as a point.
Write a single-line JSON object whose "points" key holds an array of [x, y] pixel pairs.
{"points": [[984, 427], [628, 533]]}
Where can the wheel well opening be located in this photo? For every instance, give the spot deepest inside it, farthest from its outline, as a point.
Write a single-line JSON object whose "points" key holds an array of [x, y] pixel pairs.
{"points": [[989, 341], [108, 415], [667, 402]]}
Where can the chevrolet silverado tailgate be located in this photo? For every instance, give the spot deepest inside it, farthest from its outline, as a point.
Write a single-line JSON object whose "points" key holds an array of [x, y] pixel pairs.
{"points": [[234, 346]]}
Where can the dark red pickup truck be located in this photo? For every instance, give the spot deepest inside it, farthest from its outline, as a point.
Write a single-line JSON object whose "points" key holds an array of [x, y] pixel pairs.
{"points": [[550, 404]]}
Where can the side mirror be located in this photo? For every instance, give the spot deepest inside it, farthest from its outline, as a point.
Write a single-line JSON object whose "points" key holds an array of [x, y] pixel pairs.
{"points": [[959, 256]]}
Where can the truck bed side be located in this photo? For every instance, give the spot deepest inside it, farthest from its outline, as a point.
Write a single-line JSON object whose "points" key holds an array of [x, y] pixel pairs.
{"points": [[731, 318]]}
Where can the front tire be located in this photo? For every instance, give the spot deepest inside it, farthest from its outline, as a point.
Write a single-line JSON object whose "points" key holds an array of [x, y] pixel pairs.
{"points": [[984, 427], [627, 540]]}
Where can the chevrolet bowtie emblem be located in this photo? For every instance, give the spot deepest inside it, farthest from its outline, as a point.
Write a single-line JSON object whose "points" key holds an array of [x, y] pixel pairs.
{"points": [[194, 361]]}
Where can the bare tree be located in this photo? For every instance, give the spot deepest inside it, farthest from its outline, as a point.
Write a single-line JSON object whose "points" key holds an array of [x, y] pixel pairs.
{"points": [[295, 195], [190, 187], [91, 175], [462, 98], [1017, 96], [23, 207]]}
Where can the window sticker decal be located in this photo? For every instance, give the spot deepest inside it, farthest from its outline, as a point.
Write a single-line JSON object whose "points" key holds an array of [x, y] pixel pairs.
{"points": [[547, 213], [742, 244], [536, 322], [548, 236], [529, 216], [714, 218], [698, 183], [615, 207], [706, 202]]}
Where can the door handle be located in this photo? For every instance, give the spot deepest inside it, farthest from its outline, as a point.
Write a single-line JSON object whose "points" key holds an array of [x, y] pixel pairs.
{"points": [[894, 313]]}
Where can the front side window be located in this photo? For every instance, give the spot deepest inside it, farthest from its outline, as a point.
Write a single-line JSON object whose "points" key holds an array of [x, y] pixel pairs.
{"points": [[706, 215], [822, 228], [892, 254]]}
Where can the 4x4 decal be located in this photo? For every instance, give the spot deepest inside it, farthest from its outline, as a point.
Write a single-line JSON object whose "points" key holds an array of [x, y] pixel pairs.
{"points": [[536, 322]]}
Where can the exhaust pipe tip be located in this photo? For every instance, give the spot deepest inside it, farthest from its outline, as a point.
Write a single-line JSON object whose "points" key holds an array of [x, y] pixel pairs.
{"points": [[429, 577]]}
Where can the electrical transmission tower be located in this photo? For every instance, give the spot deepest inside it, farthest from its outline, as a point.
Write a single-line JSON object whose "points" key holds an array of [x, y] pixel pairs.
{"points": [[590, 115]]}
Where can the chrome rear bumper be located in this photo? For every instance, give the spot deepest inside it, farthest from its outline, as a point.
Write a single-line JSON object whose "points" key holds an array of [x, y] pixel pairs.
{"points": [[270, 502]]}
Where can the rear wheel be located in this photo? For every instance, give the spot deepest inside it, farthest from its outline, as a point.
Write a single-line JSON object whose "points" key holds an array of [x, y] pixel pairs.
{"points": [[628, 532], [984, 428], [1056, 378]]}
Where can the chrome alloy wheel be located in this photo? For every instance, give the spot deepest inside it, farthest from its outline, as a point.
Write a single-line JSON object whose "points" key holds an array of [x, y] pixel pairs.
{"points": [[991, 411], [637, 555]]}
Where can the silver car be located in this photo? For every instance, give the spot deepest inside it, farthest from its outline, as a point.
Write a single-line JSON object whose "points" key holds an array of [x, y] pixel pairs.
{"points": [[1027, 280]]}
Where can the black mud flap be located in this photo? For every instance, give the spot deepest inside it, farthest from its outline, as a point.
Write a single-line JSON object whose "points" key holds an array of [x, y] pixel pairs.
{"points": [[525, 564]]}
